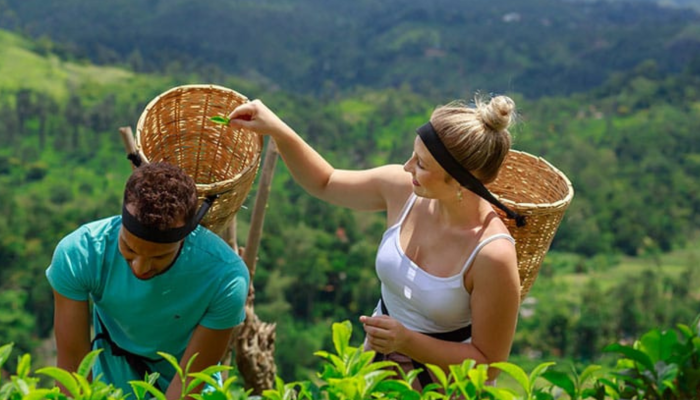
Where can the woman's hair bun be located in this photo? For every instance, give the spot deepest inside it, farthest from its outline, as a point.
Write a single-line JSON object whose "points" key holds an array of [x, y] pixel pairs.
{"points": [[497, 114]]}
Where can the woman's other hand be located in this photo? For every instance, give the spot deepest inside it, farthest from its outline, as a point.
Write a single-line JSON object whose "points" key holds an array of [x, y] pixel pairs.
{"points": [[384, 334]]}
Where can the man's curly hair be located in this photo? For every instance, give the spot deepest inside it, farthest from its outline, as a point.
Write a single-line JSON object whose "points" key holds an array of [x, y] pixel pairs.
{"points": [[162, 195]]}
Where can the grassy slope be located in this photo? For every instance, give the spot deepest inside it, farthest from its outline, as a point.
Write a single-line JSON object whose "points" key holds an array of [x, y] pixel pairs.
{"points": [[23, 67], [672, 263]]}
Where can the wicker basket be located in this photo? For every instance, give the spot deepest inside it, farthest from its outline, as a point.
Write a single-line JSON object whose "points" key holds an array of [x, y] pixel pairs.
{"points": [[532, 187], [175, 127]]}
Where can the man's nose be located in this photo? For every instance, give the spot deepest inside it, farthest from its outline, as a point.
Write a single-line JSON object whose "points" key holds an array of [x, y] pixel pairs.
{"points": [[141, 265]]}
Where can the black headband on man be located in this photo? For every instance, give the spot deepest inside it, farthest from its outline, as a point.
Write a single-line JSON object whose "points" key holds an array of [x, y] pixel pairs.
{"points": [[172, 235], [459, 173]]}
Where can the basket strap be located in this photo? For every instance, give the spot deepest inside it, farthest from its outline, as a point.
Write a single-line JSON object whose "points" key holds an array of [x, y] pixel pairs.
{"points": [[438, 150], [135, 159]]}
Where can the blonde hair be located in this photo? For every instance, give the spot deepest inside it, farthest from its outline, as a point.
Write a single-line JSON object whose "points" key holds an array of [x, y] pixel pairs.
{"points": [[477, 137]]}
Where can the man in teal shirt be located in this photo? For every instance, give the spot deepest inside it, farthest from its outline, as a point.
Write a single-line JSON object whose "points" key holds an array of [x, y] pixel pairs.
{"points": [[157, 280]]}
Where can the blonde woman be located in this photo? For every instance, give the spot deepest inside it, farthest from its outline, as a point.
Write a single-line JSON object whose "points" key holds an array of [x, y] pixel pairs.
{"points": [[450, 288]]}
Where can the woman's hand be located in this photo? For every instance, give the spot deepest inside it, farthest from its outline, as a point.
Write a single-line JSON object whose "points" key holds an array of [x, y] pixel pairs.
{"points": [[385, 334], [257, 117]]}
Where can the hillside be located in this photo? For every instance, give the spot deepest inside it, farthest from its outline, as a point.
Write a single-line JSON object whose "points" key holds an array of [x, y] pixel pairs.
{"points": [[628, 145], [441, 49]]}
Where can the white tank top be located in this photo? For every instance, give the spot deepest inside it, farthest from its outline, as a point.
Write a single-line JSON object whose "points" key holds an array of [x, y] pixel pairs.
{"points": [[420, 301]]}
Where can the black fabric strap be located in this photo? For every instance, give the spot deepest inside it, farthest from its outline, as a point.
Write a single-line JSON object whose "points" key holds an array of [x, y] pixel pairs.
{"points": [[438, 150], [135, 159], [457, 336], [136, 362], [172, 235]]}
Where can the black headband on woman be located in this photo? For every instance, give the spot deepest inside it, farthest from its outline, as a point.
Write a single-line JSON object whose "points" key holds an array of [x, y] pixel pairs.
{"points": [[458, 172], [171, 235]]}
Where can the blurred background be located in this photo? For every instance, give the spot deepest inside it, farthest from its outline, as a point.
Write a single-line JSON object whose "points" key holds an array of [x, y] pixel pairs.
{"points": [[607, 91]]}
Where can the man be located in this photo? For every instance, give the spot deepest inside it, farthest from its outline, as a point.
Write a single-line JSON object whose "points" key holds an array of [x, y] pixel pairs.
{"points": [[157, 281]]}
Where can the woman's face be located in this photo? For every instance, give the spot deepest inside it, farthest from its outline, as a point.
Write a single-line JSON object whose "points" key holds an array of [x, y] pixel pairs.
{"points": [[429, 178]]}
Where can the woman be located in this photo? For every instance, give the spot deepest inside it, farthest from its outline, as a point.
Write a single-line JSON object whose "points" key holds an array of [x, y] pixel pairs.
{"points": [[447, 263]]}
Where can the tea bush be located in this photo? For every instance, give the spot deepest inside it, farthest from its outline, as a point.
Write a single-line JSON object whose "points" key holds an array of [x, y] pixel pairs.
{"points": [[661, 365]]}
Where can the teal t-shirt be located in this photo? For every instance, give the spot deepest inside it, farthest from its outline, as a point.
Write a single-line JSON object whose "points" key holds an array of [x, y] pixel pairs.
{"points": [[207, 285]]}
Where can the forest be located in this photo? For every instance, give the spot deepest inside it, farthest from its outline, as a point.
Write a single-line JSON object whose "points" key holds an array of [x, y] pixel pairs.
{"points": [[612, 106]]}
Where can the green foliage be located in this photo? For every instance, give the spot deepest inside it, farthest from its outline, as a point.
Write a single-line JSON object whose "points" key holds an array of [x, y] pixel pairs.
{"points": [[660, 365]]}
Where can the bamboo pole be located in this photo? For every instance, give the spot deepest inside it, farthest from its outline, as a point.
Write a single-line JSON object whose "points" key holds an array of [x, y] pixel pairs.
{"points": [[250, 255], [254, 340]]}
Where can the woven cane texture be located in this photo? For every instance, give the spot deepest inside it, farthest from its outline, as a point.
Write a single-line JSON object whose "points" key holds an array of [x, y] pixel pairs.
{"points": [[175, 127], [532, 187]]}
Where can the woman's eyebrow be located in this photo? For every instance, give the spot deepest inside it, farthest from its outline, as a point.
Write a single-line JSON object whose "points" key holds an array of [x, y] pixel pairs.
{"points": [[420, 157]]}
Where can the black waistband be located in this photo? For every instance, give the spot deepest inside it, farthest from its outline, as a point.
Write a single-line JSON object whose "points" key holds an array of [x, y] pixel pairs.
{"points": [[136, 362], [458, 335]]}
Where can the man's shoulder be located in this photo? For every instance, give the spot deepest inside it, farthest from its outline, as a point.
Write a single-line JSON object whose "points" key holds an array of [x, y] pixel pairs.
{"points": [[208, 245], [94, 232]]}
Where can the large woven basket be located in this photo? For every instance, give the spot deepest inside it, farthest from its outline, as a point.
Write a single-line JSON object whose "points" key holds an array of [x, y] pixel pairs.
{"points": [[532, 187], [175, 127]]}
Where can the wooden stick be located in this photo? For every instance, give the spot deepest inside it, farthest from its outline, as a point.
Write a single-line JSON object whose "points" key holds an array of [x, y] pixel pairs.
{"points": [[250, 253], [128, 139]]}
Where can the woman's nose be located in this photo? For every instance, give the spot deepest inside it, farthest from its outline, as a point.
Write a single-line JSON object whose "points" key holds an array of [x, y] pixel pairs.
{"points": [[408, 165]]}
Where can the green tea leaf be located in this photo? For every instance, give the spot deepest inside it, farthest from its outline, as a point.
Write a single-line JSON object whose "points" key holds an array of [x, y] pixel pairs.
{"points": [[562, 380], [41, 394], [218, 119], [500, 393], [439, 374], [149, 388], [63, 377], [516, 373], [24, 366], [88, 362], [86, 387], [5, 353], [588, 373], [631, 353], [173, 361], [198, 379], [401, 388], [341, 336], [658, 345], [213, 396], [538, 371], [478, 376]]}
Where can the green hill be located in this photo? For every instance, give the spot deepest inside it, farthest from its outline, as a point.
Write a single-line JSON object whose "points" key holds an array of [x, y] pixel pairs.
{"points": [[25, 67], [440, 48]]}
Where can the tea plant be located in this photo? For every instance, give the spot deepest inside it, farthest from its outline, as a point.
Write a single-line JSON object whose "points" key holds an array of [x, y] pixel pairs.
{"points": [[661, 365]]}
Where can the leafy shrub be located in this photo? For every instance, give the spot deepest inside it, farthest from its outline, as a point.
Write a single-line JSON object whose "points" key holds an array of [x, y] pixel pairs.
{"points": [[660, 365]]}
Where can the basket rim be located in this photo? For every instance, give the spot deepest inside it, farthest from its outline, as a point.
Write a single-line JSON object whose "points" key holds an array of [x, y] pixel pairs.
{"points": [[203, 186], [562, 203]]}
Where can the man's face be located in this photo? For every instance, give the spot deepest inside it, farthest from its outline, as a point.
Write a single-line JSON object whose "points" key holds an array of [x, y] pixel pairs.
{"points": [[146, 259]]}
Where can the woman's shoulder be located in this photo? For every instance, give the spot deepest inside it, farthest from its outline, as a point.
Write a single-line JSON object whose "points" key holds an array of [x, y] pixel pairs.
{"points": [[497, 253], [397, 188]]}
